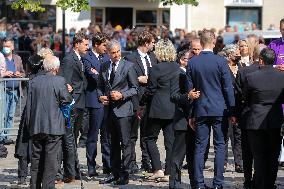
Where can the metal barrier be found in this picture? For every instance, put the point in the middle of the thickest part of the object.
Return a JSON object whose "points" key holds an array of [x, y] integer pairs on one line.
{"points": [[4, 90]]}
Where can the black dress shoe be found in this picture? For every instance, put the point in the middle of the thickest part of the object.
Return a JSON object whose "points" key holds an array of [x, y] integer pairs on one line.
{"points": [[108, 180], [107, 171], [93, 174], [147, 167], [220, 187], [121, 181], [239, 169]]}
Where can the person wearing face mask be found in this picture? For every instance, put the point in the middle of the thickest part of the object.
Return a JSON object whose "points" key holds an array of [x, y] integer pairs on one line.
{"points": [[232, 54], [13, 69]]}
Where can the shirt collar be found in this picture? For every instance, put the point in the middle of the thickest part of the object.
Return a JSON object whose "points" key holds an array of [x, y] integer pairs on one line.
{"points": [[96, 54], [210, 50], [183, 69], [141, 53], [78, 55]]}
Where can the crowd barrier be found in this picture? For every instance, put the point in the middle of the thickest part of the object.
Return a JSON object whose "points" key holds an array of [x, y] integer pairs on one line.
{"points": [[3, 105]]}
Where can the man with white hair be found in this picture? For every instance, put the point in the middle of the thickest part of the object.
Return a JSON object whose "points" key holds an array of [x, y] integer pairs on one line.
{"points": [[47, 93]]}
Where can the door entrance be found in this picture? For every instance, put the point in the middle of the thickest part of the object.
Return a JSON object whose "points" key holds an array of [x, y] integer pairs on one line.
{"points": [[119, 16]]}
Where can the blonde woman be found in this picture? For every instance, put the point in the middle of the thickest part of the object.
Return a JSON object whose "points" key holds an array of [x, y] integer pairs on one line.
{"points": [[245, 52], [161, 109]]}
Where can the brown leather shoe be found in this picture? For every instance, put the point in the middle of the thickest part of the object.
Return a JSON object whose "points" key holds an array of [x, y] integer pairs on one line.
{"points": [[69, 180]]}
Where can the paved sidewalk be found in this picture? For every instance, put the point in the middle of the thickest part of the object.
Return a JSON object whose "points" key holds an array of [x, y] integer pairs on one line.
{"points": [[8, 174]]}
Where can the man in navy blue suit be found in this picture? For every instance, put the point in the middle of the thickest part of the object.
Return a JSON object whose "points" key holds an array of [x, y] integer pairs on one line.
{"points": [[92, 62], [209, 74]]}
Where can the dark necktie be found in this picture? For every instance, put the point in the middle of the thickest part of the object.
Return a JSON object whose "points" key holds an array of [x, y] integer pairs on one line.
{"points": [[100, 57], [147, 64], [112, 74]]}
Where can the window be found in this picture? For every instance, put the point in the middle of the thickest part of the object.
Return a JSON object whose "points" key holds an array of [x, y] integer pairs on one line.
{"points": [[99, 16], [166, 18], [146, 17]]}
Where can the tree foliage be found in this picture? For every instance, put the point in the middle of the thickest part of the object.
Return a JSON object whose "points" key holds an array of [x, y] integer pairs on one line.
{"points": [[79, 5]]}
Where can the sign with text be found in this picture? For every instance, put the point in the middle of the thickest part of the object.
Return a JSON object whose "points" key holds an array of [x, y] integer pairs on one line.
{"points": [[244, 3]]}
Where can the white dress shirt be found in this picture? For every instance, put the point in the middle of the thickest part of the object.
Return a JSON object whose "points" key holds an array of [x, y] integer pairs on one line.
{"points": [[110, 67], [142, 56]]}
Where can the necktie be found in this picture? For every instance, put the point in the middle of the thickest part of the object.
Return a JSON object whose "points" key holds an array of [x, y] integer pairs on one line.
{"points": [[147, 64], [112, 74]]}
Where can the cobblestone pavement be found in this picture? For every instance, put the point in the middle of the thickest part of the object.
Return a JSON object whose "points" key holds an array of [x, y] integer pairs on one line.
{"points": [[8, 174]]}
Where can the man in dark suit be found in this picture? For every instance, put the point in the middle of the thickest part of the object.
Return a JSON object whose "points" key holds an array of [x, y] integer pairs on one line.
{"points": [[143, 60], [264, 92], [92, 62], [116, 87], [209, 74], [184, 135], [72, 69], [47, 92], [242, 110]]}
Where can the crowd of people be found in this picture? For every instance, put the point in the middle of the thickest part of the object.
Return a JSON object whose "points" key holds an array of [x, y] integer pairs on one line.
{"points": [[185, 88]]}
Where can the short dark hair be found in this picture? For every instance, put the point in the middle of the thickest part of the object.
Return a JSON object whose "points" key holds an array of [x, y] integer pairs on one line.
{"points": [[145, 37], [207, 36], [6, 39], [282, 21], [181, 54], [79, 37], [100, 38], [268, 56]]}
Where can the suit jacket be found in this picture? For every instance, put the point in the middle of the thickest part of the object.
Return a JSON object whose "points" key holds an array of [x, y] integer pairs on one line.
{"points": [[241, 107], [72, 70], [124, 81], [183, 106], [210, 74], [162, 76], [91, 61], [264, 93], [139, 71], [46, 94]]}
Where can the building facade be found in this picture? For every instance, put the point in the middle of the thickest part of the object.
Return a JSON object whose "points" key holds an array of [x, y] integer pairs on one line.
{"points": [[239, 14]]}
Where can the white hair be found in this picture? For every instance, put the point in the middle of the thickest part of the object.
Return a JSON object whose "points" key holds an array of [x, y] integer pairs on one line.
{"points": [[112, 43], [51, 63], [229, 49], [43, 52]]}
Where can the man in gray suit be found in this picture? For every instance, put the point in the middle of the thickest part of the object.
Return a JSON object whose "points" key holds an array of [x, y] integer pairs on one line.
{"points": [[117, 85], [47, 92]]}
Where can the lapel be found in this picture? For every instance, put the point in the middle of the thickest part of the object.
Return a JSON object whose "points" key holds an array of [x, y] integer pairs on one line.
{"points": [[94, 60], [77, 61], [118, 73], [139, 62]]}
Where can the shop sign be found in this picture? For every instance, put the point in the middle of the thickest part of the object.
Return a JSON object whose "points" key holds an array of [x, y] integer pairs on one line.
{"points": [[244, 3]]}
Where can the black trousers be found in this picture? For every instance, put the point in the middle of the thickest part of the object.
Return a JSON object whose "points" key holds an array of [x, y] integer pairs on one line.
{"points": [[266, 146], [184, 144], [152, 133], [23, 167], [246, 151], [77, 115], [136, 124], [234, 134], [120, 128], [84, 128], [44, 164]]}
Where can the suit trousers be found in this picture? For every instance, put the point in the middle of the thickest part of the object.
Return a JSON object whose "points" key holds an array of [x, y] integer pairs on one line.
{"points": [[23, 167], [234, 133], [183, 138], [44, 164], [136, 124], [77, 115], [96, 117], [203, 125], [69, 153], [120, 128], [152, 133], [246, 151], [84, 128], [265, 146]]}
